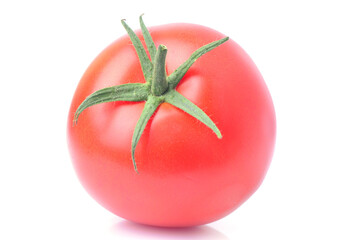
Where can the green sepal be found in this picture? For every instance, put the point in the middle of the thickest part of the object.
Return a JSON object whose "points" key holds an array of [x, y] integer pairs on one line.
{"points": [[175, 98], [148, 39], [133, 92], [151, 105], [146, 64], [178, 74]]}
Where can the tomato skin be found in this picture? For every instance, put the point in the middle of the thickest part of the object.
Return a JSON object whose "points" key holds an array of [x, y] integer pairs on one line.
{"points": [[187, 176]]}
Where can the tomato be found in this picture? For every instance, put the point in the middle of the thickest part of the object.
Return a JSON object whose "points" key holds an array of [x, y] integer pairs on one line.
{"points": [[186, 175]]}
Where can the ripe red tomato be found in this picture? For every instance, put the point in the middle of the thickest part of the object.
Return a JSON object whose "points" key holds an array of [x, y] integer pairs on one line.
{"points": [[186, 175]]}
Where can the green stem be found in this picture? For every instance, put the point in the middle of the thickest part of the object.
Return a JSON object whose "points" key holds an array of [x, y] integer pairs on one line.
{"points": [[159, 82]]}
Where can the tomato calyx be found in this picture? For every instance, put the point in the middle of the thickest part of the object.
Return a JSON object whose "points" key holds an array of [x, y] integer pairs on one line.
{"points": [[158, 88]]}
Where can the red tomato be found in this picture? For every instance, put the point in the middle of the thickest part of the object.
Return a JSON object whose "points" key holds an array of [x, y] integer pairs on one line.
{"points": [[187, 176]]}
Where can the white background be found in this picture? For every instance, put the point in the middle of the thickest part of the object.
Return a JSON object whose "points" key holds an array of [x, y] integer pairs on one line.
{"points": [[299, 46]]}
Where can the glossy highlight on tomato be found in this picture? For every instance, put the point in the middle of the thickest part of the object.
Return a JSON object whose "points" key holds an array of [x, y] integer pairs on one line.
{"points": [[186, 175]]}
